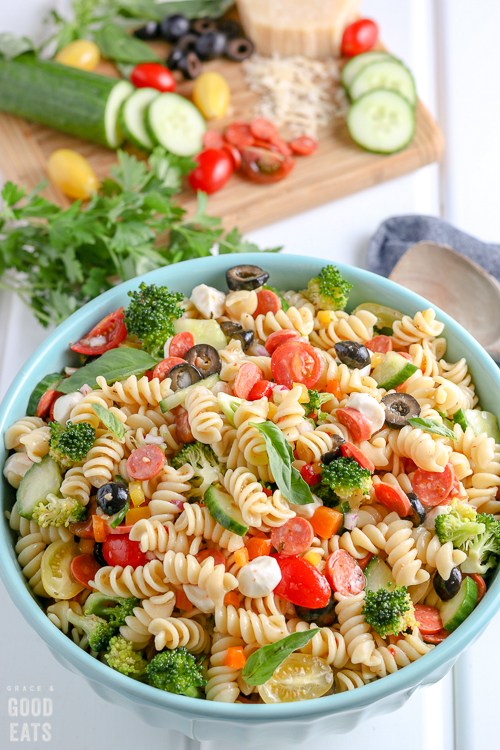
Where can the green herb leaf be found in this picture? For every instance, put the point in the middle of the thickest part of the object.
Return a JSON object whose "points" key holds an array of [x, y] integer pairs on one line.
{"points": [[345, 507], [110, 421], [117, 364], [262, 664], [430, 425], [150, 10], [12, 46], [288, 479], [460, 418], [115, 44], [121, 515], [284, 303]]}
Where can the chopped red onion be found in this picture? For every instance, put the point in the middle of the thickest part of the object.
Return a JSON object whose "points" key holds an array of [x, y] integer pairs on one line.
{"points": [[85, 389], [350, 520], [154, 439], [257, 350]]}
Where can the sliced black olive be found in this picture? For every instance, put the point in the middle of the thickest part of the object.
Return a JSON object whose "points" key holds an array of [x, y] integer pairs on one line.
{"points": [[203, 26], [245, 277], [336, 452], [352, 354], [210, 45], [399, 407], [148, 32], [228, 328], [229, 28], [173, 27], [187, 43], [205, 357], [184, 45], [239, 48], [446, 589], [322, 617], [183, 376], [98, 556], [246, 338], [190, 66], [112, 497], [419, 515]]}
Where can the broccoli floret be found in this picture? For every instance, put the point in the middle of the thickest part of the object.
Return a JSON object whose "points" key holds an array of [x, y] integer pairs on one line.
{"points": [[328, 290], [458, 525], [58, 511], [122, 657], [70, 444], [342, 479], [389, 611], [98, 631], [483, 550], [176, 671], [151, 314], [205, 464], [313, 407], [114, 608]]}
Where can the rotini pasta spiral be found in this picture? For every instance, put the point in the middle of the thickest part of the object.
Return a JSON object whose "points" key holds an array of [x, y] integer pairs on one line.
{"points": [[248, 494], [84, 411], [136, 628], [177, 632], [329, 644], [75, 484], [343, 327], [197, 521], [16, 467], [431, 552], [36, 443], [348, 679], [358, 638], [428, 454], [253, 628], [154, 536], [204, 415], [408, 649], [222, 684], [251, 443], [241, 303], [402, 554], [102, 459], [312, 445], [293, 319], [290, 414], [133, 391], [144, 581], [185, 569], [21, 428], [168, 499], [414, 330]]}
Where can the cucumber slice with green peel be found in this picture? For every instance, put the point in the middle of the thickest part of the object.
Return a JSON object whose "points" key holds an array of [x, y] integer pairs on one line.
{"points": [[379, 575], [133, 117], [228, 405], [386, 316], [357, 63], [392, 371], [174, 123], [38, 482], [178, 398], [456, 610], [223, 509], [391, 75], [381, 121], [483, 421], [204, 331], [119, 94], [45, 384]]}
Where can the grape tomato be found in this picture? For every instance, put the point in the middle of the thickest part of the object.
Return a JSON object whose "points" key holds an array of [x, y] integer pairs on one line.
{"points": [[55, 569], [300, 677], [153, 75], [213, 170], [120, 550], [301, 583], [106, 335], [359, 37], [352, 451], [296, 362]]}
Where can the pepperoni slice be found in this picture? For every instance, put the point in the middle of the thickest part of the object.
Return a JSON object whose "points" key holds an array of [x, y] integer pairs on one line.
{"points": [[219, 558], [280, 337], [358, 425], [182, 426], [163, 368], [213, 139], [261, 389], [481, 585], [84, 568], [233, 153], [352, 451], [393, 498], [296, 362], [267, 301], [238, 134], [365, 560], [46, 403], [436, 637], [181, 344], [344, 574], [145, 462], [428, 618], [433, 487], [294, 537], [303, 145], [381, 344], [263, 129], [247, 376]]}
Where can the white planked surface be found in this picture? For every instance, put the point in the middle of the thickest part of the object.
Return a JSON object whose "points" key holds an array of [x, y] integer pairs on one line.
{"points": [[430, 35]]}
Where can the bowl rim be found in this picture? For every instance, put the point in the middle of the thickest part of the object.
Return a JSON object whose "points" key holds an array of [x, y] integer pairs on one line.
{"points": [[406, 679]]}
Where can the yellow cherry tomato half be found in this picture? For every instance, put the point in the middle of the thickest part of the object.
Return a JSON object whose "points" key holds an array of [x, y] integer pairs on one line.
{"points": [[80, 54], [300, 677], [71, 173], [56, 570], [211, 95]]}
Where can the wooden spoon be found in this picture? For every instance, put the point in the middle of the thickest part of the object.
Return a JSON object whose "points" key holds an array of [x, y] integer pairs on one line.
{"points": [[458, 285]]}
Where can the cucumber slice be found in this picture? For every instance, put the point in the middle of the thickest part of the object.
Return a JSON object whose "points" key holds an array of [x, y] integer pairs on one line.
{"points": [[386, 316], [46, 383], [456, 610], [176, 124], [38, 482], [381, 121], [133, 117], [384, 74], [111, 114], [224, 510], [483, 421], [204, 331], [378, 575], [393, 370], [229, 404], [178, 398], [357, 63]]}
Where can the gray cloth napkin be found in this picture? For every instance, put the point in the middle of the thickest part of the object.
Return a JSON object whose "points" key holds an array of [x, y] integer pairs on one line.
{"points": [[393, 238]]}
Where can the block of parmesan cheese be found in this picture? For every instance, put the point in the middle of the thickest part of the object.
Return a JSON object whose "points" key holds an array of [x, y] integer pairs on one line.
{"points": [[312, 28]]}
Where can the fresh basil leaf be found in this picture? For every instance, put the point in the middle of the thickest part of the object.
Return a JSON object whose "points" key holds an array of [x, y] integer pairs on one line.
{"points": [[46, 383], [284, 303], [150, 10], [262, 664], [430, 425], [12, 46], [110, 421], [120, 480], [460, 418], [345, 507], [115, 44], [121, 515], [117, 364]]}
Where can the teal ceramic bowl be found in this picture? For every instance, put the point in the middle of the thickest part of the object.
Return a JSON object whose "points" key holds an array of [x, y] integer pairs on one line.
{"points": [[244, 724]]}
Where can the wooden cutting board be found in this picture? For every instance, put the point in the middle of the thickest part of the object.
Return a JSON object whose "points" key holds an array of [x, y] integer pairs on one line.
{"points": [[338, 167]]}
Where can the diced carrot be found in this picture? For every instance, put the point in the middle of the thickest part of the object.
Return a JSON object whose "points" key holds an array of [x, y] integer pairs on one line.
{"points": [[235, 657], [86, 546], [231, 599], [181, 601], [241, 557], [136, 514], [333, 386], [258, 547], [326, 521], [100, 528]]}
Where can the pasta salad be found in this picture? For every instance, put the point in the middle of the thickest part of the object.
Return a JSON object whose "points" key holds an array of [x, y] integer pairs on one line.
{"points": [[256, 496]]}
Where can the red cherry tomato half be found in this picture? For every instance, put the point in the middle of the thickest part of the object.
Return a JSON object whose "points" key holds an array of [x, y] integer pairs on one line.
{"points": [[433, 487], [163, 368], [84, 568], [279, 145], [267, 301], [145, 462], [344, 574], [120, 550], [359, 37], [214, 169], [154, 76], [358, 425], [382, 344], [233, 153], [104, 336], [308, 474], [481, 585], [261, 389], [428, 619], [280, 337], [182, 426], [262, 165], [294, 537], [181, 344], [238, 134], [46, 404], [393, 498], [84, 529], [365, 560], [436, 637], [219, 558], [303, 145], [263, 129], [248, 375], [296, 362], [213, 139], [301, 583], [352, 451], [406, 356]]}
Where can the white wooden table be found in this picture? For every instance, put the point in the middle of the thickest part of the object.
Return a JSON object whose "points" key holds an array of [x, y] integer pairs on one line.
{"points": [[454, 54]]}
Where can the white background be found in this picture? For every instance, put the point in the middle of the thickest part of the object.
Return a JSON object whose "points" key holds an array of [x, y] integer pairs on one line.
{"points": [[452, 48]]}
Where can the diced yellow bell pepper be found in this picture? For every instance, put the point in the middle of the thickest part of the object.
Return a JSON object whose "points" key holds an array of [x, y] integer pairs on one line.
{"points": [[136, 493], [304, 397], [377, 359], [325, 317], [136, 514], [272, 410], [313, 557]]}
